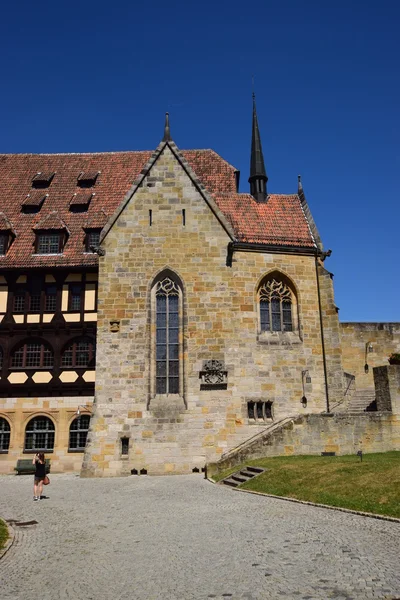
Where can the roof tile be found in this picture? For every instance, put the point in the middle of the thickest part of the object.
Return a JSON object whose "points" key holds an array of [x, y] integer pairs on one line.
{"points": [[279, 221]]}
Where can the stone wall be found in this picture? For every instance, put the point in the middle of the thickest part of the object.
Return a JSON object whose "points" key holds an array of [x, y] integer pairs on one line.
{"points": [[220, 321], [387, 388], [384, 338], [62, 411], [314, 434]]}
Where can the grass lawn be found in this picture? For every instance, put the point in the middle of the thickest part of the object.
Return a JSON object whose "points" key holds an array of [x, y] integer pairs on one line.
{"points": [[372, 485], [3, 534]]}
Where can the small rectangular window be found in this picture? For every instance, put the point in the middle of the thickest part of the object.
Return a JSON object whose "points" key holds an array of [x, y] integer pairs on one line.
{"points": [[48, 243], [75, 297], [124, 446], [34, 303], [92, 239], [50, 303], [19, 301]]}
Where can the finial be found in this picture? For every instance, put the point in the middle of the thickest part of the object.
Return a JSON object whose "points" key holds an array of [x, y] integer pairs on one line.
{"points": [[167, 132], [299, 184]]}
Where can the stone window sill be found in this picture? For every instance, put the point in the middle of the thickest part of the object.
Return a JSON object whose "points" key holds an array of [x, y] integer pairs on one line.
{"points": [[279, 338]]}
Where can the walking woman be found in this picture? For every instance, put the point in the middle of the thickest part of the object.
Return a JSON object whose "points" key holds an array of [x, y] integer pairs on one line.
{"points": [[40, 474]]}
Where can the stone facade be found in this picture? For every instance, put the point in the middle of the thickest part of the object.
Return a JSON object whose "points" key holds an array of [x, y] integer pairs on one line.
{"points": [[356, 341], [61, 411], [219, 321]]}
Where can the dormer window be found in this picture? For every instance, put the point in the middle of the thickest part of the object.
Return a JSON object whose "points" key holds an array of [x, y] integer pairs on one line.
{"points": [[43, 179], [7, 234], [33, 201], [51, 234], [49, 242], [92, 239], [87, 178], [4, 242], [80, 201]]}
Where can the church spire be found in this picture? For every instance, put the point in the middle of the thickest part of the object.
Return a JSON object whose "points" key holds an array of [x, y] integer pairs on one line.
{"points": [[167, 131], [258, 176]]}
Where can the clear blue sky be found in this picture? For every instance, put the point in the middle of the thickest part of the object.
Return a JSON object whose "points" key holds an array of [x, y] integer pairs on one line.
{"points": [[96, 76]]}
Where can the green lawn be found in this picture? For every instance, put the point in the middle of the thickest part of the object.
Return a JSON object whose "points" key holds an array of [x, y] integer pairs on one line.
{"points": [[3, 534], [372, 485]]}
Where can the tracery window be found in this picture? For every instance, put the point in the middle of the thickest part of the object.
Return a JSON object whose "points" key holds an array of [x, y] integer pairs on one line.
{"points": [[79, 353], [78, 433], [32, 355], [39, 435], [167, 337], [5, 432], [275, 299]]}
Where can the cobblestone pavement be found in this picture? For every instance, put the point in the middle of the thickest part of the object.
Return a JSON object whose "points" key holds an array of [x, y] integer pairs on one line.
{"points": [[182, 538]]}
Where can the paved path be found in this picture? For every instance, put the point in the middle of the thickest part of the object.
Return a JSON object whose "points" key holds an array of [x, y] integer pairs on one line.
{"points": [[182, 538]]}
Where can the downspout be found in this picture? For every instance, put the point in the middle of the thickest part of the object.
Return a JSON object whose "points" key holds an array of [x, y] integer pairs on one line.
{"points": [[322, 338]]}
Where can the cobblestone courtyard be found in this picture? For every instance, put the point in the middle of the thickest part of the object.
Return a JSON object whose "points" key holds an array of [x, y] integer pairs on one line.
{"points": [[182, 538]]}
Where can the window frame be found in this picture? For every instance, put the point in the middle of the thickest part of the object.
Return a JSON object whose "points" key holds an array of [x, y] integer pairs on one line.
{"points": [[43, 347], [88, 243], [79, 431], [48, 233], [4, 235], [71, 295], [276, 288], [73, 343], [48, 434], [179, 292], [4, 434]]}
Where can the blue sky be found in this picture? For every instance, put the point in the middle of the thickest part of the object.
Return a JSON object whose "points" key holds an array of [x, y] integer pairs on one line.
{"points": [[96, 76]]}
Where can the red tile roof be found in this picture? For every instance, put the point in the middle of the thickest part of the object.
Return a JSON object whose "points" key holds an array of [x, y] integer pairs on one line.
{"points": [[280, 221]]}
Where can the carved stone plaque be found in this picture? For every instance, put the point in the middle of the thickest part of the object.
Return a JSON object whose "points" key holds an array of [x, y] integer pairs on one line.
{"points": [[213, 376]]}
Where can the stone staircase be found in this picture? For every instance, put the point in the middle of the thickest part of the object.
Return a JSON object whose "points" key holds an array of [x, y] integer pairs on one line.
{"points": [[242, 476], [360, 401]]}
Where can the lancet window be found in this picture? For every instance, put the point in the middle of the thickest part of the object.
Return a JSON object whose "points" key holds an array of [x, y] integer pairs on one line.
{"points": [[167, 336]]}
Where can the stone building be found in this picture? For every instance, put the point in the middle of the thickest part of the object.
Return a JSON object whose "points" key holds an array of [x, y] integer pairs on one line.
{"points": [[209, 313]]}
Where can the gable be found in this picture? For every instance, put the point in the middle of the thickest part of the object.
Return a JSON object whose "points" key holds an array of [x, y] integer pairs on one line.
{"points": [[153, 176]]}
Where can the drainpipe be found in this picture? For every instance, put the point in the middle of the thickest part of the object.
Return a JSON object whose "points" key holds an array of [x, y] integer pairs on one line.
{"points": [[322, 338]]}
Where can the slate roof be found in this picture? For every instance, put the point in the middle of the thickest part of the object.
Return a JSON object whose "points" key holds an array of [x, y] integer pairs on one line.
{"points": [[281, 221]]}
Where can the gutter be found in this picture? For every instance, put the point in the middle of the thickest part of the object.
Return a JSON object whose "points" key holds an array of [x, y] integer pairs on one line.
{"points": [[322, 334]]}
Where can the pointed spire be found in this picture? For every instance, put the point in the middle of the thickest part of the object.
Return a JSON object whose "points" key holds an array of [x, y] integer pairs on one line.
{"points": [[258, 176], [167, 131]]}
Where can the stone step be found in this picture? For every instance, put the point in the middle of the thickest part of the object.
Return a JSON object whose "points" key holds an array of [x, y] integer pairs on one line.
{"points": [[239, 478], [236, 479], [255, 469], [247, 474], [230, 482], [360, 401]]}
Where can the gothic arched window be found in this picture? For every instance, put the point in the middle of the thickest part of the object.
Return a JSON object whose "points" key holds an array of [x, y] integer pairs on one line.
{"points": [[276, 300], [167, 342], [39, 434]]}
